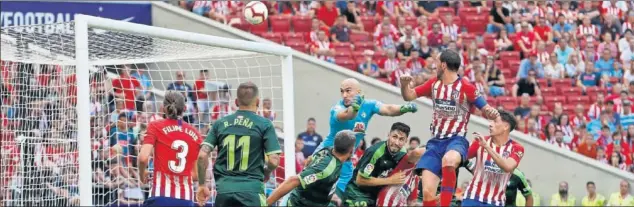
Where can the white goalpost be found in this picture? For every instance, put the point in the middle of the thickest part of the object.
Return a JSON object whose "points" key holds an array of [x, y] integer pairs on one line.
{"points": [[73, 118]]}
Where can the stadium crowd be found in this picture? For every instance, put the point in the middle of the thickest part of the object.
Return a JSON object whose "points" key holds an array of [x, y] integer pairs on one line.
{"points": [[564, 68]]}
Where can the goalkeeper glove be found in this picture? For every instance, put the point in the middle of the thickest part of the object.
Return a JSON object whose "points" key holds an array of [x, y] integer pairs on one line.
{"points": [[357, 102], [409, 107]]}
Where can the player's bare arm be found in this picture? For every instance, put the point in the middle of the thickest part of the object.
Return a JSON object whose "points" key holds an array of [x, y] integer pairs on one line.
{"points": [[273, 160], [408, 93], [506, 164], [346, 114], [397, 110], [144, 160], [415, 155], [202, 163], [396, 179], [490, 112], [288, 185]]}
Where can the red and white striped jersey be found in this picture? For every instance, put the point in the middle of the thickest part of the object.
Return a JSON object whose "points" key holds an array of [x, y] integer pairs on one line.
{"points": [[595, 110], [399, 195], [322, 45], [584, 30], [612, 11], [579, 120], [452, 104], [395, 76], [567, 130], [489, 181], [176, 146], [560, 144], [389, 64], [570, 15], [543, 57], [453, 30], [387, 41]]}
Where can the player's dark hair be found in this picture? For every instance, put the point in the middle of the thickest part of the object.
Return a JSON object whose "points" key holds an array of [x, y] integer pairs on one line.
{"points": [[247, 92], [344, 141], [590, 183], [452, 59], [174, 104], [509, 119], [375, 140], [398, 126]]}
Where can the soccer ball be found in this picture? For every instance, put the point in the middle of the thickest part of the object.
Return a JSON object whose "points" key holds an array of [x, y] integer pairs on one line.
{"points": [[255, 12]]}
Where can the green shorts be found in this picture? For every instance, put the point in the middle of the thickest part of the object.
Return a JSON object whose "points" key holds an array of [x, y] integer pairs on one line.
{"points": [[353, 198], [240, 199]]}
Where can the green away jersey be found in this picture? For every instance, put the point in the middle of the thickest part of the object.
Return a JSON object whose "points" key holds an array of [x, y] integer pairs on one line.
{"points": [[376, 162], [243, 139], [517, 183], [317, 180]]}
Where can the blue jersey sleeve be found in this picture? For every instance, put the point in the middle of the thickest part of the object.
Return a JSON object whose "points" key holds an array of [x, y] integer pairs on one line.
{"points": [[374, 104], [333, 113]]}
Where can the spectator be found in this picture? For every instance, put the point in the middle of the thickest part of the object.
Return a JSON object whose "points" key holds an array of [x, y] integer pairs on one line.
{"points": [[424, 50], [119, 109], [417, 64], [587, 29], [368, 67], [223, 106], [322, 48], [340, 32], [126, 88], [623, 197], [525, 40], [315, 28], [623, 147], [580, 118], [386, 40], [389, 64], [531, 128], [617, 161], [543, 56], [386, 24], [450, 28], [588, 146], [561, 27], [400, 26], [404, 50], [543, 31], [422, 28], [530, 64], [527, 85], [524, 109], [563, 124], [549, 132], [480, 82], [408, 34], [624, 43], [429, 9], [500, 18], [387, 8], [589, 54], [267, 109], [414, 142], [608, 45], [562, 198], [143, 78], [475, 66], [495, 78], [614, 117], [188, 92], [407, 8], [601, 157], [593, 198], [611, 26], [327, 14], [601, 126], [554, 70], [299, 155], [589, 78], [629, 23], [563, 51], [627, 55], [559, 140], [402, 70], [627, 117], [121, 135], [502, 41], [574, 67], [590, 11], [310, 137], [434, 38], [352, 14]]}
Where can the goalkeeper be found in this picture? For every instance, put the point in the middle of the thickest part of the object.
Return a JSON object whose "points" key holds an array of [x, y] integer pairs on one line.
{"points": [[353, 112]]}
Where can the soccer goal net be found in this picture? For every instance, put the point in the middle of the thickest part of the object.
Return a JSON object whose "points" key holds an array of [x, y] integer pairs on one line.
{"points": [[77, 97]]}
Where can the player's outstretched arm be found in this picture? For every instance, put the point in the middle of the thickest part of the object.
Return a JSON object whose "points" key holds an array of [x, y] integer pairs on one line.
{"points": [[396, 179], [415, 155], [144, 160], [397, 110], [345, 114], [288, 185], [409, 93]]}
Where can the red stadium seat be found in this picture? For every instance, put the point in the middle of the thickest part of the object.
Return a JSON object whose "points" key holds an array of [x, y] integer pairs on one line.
{"points": [[562, 83], [492, 101], [593, 91], [297, 45], [280, 23], [509, 55], [509, 82], [361, 46], [442, 11], [547, 91], [342, 54], [467, 38], [569, 91], [574, 99], [509, 106], [260, 28], [476, 24], [542, 83], [514, 66], [342, 46], [551, 100], [412, 21], [489, 43], [506, 99], [360, 37], [275, 37], [293, 36], [301, 24], [346, 63], [368, 22], [569, 108]]}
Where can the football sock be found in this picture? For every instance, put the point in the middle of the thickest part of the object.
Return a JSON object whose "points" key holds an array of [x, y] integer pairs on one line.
{"points": [[447, 185]]}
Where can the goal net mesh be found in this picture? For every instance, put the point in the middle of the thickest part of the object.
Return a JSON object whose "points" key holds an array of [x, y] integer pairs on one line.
{"points": [[130, 73]]}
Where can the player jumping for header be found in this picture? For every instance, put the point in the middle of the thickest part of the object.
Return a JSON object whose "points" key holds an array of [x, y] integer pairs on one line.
{"points": [[379, 161], [353, 112], [244, 139], [175, 146], [453, 97], [497, 156], [313, 186]]}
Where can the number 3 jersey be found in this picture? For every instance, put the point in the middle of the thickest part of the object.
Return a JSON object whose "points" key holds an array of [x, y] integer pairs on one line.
{"points": [[243, 140], [176, 147]]}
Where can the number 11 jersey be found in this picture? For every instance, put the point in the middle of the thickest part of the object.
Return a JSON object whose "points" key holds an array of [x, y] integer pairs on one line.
{"points": [[243, 140], [176, 146]]}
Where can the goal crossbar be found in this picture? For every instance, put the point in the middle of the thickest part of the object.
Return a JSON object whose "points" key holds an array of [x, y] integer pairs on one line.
{"points": [[83, 64]]}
